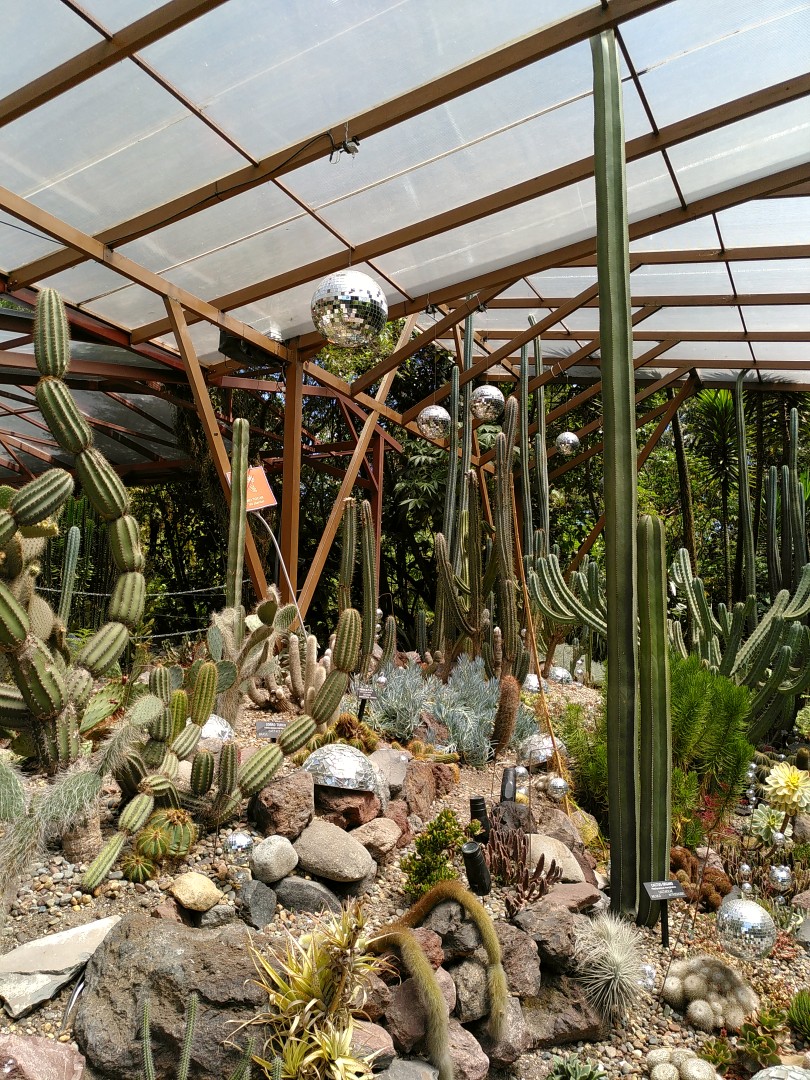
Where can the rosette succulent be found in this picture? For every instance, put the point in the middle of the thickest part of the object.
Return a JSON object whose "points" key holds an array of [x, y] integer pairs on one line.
{"points": [[788, 788], [765, 821]]}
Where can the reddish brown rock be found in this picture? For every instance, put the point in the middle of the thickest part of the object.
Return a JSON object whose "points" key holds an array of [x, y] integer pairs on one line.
{"points": [[378, 997], [405, 1015], [398, 811], [561, 1014], [553, 930], [286, 806], [346, 809], [444, 777], [41, 1059], [372, 1041], [419, 788], [469, 1060], [519, 958], [514, 1041], [169, 909], [578, 896]]}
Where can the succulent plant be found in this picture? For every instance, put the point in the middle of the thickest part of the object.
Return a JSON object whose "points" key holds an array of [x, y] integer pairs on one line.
{"points": [[571, 1068], [788, 788], [798, 1015], [765, 821]]}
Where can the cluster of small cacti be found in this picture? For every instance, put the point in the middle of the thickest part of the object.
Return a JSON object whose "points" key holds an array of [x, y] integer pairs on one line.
{"points": [[346, 729], [666, 1064], [706, 885], [710, 993]]}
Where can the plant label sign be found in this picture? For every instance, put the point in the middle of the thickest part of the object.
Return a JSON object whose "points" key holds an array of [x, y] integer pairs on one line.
{"points": [[364, 691], [664, 890], [270, 729], [259, 492]]}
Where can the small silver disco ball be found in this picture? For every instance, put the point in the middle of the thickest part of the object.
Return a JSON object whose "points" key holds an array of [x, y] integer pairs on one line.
{"points": [[778, 839], [349, 309], [486, 403], [782, 1072], [745, 929], [559, 675], [648, 977], [434, 422], [557, 787], [521, 772], [780, 878], [746, 888], [238, 845], [567, 443], [744, 872]]}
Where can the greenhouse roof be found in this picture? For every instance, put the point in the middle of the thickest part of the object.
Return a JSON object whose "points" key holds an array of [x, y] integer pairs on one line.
{"points": [[183, 168]]}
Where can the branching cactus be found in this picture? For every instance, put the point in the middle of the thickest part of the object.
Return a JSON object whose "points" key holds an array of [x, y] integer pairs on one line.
{"points": [[51, 690]]}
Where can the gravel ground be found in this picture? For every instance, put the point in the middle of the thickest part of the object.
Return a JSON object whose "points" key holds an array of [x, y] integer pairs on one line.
{"points": [[51, 901]]}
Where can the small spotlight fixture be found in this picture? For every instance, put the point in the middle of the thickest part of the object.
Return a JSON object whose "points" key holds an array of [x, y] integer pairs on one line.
{"points": [[351, 146], [432, 309]]}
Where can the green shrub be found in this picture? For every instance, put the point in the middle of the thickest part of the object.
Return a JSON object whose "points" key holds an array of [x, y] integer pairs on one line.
{"points": [[433, 858]]}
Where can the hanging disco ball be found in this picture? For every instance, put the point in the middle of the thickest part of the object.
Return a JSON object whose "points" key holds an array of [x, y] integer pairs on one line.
{"points": [[349, 309], [567, 443], [745, 929], [486, 403], [434, 422]]}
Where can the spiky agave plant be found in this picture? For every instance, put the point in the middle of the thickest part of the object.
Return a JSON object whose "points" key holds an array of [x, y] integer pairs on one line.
{"points": [[609, 958]]}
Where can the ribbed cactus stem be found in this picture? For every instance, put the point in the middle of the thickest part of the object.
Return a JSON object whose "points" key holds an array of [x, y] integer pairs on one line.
{"points": [[237, 524], [619, 469], [348, 554], [746, 521], [69, 564], [525, 469], [451, 488], [368, 556], [655, 727], [294, 667], [540, 459], [462, 514]]}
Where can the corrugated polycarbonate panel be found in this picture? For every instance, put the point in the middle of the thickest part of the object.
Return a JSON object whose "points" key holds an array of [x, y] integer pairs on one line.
{"points": [[744, 151], [784, 317], [276, 71], [766, 222], [508, 157], [110, 147], [692, 235], [695, 55], [566, 281], [216, 227], [85, 282], [772, 276], [781, 350], [516, 319], [129, 306], [116, 14], [550, 222], [19, 243], [103, 407], [582, 319], [37, 37], [802, 376], [672, 319], [708, 350], [676, 279]]}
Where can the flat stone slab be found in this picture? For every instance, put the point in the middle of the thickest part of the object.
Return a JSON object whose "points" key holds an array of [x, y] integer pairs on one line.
{"points": [[35, 972], [41, 1059]]}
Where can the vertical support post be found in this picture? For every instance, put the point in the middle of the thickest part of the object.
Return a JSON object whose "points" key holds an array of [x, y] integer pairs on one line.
{"points": [[205, 411], [378, 466], [291, 471]]}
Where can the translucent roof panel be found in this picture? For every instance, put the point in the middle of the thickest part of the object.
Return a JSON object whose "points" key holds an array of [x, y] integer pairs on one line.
{"points": [[116, 14], [20, 243], [679, 279], [766, 222], [672, 319], [566, 281], [747, 150], [516, 319], [781, 350], [774, 276], [91, 158], [286, 78], [56, 31], [129, 306], [85, 282], [785, 317], [694, 56], [561, 217], [708, 350], [692, 235]]}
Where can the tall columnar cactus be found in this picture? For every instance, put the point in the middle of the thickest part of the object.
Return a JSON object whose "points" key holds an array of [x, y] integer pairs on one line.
{"points": [[237, 525], [525, 465], [655, 727], [368, 561], [746, 521], [462, 467], [787, 545], [465, 601], [618, 410], [348, 554], [540, 459], [69, 564]]}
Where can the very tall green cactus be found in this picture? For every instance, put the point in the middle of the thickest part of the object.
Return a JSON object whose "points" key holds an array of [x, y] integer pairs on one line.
{"points": [[746, 522], [618, 410]]}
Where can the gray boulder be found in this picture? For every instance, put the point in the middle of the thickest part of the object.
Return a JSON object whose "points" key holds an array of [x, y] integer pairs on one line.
{"points": [[165, 962], [258, 904], [299, 894], [273, 859], [328, 852]]}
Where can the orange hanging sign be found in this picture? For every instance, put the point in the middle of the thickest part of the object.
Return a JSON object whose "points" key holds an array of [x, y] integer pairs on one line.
{"points": [[259, 492]]}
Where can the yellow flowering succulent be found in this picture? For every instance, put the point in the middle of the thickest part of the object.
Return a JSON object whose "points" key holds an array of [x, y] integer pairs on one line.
{"points": [[788, 789]]}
